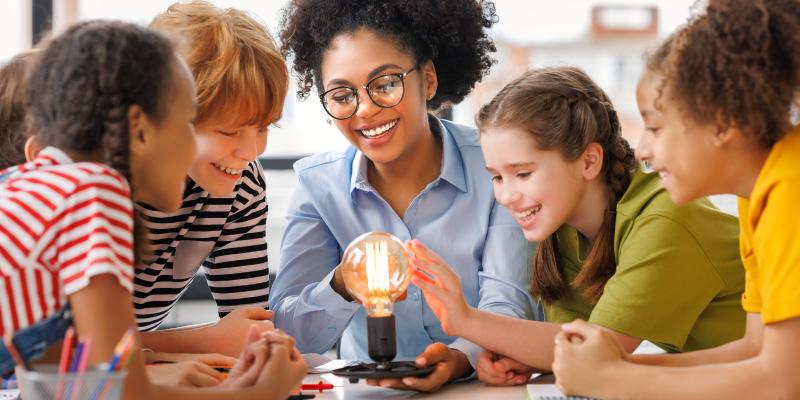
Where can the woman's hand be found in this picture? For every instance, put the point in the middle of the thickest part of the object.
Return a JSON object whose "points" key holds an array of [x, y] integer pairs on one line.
{"points": [[496, 370], [450, 364], [441, 287], [586, 357]]}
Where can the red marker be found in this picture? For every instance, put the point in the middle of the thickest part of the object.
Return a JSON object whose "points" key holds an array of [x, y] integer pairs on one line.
{"points": [[317, 386]]}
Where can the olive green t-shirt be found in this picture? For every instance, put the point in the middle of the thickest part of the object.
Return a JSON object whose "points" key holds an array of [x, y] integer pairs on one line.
{"points": [[679, 278]]}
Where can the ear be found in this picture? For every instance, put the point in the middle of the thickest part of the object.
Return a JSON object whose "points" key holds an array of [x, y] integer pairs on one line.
{"points": [[32, 148], [138, 127], [430, 80], [592, 161], [726, 136]]}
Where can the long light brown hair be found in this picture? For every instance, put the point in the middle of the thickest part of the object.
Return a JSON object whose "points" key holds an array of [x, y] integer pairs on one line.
{"points": [[564, 110]]}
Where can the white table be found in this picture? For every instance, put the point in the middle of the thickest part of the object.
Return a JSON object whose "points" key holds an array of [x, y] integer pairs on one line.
{"points": [[462, 391]]}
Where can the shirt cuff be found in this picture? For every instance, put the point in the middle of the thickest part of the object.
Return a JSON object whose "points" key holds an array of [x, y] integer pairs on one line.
{"points": [[470, 350], [333, 303]]}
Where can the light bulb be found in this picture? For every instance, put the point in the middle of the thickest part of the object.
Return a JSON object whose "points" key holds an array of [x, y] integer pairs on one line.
{"points": [[375, 271]]}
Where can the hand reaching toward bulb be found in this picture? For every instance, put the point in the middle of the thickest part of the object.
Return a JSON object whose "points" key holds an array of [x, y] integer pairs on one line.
{"points": [[441, 287]]}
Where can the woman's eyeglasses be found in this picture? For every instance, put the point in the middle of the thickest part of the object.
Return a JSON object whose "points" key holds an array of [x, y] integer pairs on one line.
{"points": [[386, 91]]}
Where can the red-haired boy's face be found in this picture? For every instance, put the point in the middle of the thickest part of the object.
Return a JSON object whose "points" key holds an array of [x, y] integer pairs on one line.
{"points": [[223, 152]]}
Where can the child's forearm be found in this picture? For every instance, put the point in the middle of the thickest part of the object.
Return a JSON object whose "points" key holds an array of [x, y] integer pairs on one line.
{"points": [[187, 339], [729, 352], [529, 342], [737, 350], [742, 379]]}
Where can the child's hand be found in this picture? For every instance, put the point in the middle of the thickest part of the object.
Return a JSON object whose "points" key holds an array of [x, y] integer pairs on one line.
{"points": [[247, 369], [497, 370], [229, 332], [441, 287], [210, 359], [586, 356], [285, 367], [450, 364], [185, 373]]}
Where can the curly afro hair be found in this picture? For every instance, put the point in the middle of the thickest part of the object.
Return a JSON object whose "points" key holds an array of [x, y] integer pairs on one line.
{"points": [[450, 33], [738, 64]]}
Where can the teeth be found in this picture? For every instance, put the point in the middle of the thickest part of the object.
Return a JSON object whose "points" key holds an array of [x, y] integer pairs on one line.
{"points": [[229, 171], [379, 130], [528, 212]]}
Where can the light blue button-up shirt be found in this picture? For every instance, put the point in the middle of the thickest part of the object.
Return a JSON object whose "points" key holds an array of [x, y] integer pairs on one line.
{"points": [[455, 215]]}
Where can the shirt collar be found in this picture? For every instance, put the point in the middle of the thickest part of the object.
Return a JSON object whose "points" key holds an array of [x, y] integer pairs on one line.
{"points": [[452, 164], [52, 156]]}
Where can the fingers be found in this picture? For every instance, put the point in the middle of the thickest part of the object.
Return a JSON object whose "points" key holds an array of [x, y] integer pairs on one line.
{"points": [[426, 262], [217, 360], [579, 327], [278, 337], [432, 382], [487, 372], [253, 334], [250, 364], [428, 287]]}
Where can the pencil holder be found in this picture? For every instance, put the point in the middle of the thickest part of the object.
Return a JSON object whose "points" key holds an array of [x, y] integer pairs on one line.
{"points": [[44, 382]]}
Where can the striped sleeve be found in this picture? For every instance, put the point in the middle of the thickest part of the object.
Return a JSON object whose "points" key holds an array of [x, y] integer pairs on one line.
{"points": [[95, 233], [237, 269]]}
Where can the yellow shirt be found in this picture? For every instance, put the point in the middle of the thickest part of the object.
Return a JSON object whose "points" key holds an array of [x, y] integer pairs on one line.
{"points": [[770, 235]]}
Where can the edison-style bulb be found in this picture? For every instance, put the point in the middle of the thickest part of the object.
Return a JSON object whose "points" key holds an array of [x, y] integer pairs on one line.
{"points": [[375, 271]]}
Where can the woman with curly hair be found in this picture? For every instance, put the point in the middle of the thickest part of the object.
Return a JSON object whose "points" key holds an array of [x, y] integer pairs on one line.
{"points": [[115, 129], [380, 69], [719, 108]]}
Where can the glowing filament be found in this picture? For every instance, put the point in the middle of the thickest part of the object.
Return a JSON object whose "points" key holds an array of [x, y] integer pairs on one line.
{"points": [[377, 268]]}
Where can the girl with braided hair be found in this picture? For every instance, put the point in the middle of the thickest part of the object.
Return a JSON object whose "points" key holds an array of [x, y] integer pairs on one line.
{"points": [[612, 247], [114, 107], [719, 103]]}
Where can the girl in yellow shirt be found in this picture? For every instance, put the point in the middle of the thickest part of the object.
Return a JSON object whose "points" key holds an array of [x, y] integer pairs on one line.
{"points": [[717, 104]]}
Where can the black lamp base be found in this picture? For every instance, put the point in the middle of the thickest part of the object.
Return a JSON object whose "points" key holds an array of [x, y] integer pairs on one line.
{"points": [[395, 369]]}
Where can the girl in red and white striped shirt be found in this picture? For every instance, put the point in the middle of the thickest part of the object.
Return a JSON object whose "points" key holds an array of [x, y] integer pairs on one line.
{"points": [[114, 108]]}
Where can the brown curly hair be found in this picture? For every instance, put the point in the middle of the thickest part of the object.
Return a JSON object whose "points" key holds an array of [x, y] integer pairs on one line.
{"points": [[14, 122], [738, 64], [565, 110], [450, 33], [87, 78]]}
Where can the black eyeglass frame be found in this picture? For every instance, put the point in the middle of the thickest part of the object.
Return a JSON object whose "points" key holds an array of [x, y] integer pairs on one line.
{"points": [[401, 75]]}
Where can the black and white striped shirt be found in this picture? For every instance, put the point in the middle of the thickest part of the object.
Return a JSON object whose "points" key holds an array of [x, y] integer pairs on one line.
{"points": [[226, 235]]}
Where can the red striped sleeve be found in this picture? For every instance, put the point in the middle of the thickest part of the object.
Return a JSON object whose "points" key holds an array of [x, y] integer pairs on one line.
{"points": [[80, 219]]}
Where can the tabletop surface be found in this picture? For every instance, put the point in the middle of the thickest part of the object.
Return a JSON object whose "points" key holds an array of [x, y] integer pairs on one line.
{"points": [[462, 391]]}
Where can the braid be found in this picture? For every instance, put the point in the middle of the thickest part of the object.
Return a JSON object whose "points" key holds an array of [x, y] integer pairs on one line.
{"points": [[618, 165], [85, 82], [116, 154]]}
